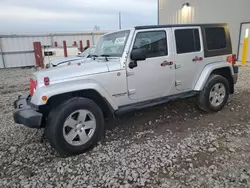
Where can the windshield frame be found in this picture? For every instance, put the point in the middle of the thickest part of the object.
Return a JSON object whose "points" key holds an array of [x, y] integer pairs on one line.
{"points": [[126, 32]]}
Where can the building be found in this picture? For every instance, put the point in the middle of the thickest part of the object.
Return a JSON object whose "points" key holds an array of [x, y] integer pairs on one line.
{"points": [[234, 12]]}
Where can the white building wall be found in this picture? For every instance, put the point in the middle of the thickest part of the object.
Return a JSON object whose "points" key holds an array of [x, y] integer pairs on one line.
{"points": [[19, 60], [1, 56], [233, 12], [22, 43]]}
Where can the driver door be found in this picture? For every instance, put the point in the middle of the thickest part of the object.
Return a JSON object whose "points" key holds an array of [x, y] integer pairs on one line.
{"points": [[153, 77]]}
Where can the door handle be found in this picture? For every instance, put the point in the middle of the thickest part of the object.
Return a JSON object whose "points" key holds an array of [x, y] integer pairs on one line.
{"points": [[166, 63], [198, 58]]}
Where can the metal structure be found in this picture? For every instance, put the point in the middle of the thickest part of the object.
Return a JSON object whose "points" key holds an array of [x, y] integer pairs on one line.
{"points": [[18, 50], [243, 27], [203, 11]]}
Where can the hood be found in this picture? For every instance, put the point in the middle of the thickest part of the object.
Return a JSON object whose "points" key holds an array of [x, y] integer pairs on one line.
{"points": [[65, 60], [74, 71]]}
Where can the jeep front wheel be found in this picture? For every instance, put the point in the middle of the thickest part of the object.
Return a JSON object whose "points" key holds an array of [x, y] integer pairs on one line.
{"points": [[75, 126], [215, 94]]}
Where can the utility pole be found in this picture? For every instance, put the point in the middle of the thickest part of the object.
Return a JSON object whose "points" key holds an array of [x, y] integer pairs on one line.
{"points": [[120, 22], [158, 12]]}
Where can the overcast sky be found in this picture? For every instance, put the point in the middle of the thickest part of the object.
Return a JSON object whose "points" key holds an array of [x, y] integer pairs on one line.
{"points": [[27, 16]]}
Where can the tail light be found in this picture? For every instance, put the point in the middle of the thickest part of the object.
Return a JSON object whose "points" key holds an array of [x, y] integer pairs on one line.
{"points": [[232, 59], [33, 84]]}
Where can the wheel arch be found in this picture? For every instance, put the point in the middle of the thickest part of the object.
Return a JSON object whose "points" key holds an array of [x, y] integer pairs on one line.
{"points": [[222, 68], [56, 100], [225, 72], [92, 94]]}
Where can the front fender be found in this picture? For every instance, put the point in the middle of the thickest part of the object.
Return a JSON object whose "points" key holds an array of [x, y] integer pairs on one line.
{"points": [[70, 86], [206, 72]]}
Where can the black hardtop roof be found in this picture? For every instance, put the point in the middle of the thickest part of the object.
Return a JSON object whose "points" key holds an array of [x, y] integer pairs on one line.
{"points": [[180, 25]]}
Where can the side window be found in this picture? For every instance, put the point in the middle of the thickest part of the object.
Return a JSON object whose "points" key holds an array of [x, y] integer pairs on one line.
{"points": [[153, 42], [216, 38], [187, 40]]}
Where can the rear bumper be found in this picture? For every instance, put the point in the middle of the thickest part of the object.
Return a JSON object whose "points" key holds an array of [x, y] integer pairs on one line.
{"points": [[25, 114], [235, 76]]}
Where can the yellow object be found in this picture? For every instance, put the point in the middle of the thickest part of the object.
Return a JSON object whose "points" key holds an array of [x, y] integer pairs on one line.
{"points": [[245, 48], [44, 98]]}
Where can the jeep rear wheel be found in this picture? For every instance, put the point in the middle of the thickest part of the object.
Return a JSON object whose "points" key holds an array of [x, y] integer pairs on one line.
{"points": [[75, 126], [215, 94]]}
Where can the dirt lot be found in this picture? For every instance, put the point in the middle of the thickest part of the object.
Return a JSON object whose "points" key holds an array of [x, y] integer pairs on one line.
{"points": [[172, 145]]}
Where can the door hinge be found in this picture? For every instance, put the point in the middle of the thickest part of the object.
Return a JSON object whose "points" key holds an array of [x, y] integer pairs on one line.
{"points": [[130, 73], [131, 92], [177, 83], [177, 66]]}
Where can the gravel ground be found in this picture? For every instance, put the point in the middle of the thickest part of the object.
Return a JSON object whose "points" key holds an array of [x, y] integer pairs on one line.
{"points": [[173, 145]]}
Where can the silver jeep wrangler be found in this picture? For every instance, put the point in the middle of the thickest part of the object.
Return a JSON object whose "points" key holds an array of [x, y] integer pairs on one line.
{"points": [[130, 70]]}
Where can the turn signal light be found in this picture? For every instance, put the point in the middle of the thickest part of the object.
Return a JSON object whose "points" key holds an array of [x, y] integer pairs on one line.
{"points": [[44, 98], [234, 59], [33, 84], [229, 59]]}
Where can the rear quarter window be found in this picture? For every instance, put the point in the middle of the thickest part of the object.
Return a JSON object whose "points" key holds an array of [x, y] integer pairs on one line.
{"points": [[216, 38]]}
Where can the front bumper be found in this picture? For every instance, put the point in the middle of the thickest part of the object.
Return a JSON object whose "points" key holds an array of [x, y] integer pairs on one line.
{"points": [[25, 114]]}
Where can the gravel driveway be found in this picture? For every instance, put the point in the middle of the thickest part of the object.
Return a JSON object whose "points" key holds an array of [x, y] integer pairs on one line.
{"points": [[172, 145]]}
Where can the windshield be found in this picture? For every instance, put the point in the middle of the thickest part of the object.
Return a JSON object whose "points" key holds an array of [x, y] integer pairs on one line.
{"points": [[112, 45], [87, 52]]}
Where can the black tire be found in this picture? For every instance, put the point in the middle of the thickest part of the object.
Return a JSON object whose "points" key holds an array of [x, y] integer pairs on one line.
{"points": [[55, 125], [203, 100]]}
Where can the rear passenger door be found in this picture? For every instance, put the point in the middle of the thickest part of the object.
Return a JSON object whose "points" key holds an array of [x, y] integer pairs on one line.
{"points": [[189, 56]]}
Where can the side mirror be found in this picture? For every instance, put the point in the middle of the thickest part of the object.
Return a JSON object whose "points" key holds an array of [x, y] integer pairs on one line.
{"points": [[138, 54]]}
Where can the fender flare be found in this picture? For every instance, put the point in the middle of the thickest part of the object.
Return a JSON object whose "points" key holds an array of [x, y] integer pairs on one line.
{"points": [[67, 87], [206, 72]]}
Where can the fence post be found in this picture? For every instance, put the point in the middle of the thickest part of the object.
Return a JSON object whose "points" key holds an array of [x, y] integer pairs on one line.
{"points": [[81, 46], [38, 54], [75, 44], [1, 50], [88, 43], [245, 48], [65, 48]]}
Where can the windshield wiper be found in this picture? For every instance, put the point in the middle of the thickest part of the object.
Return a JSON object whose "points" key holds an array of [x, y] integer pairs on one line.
{"points": [[94, 56], [106, 56]]}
